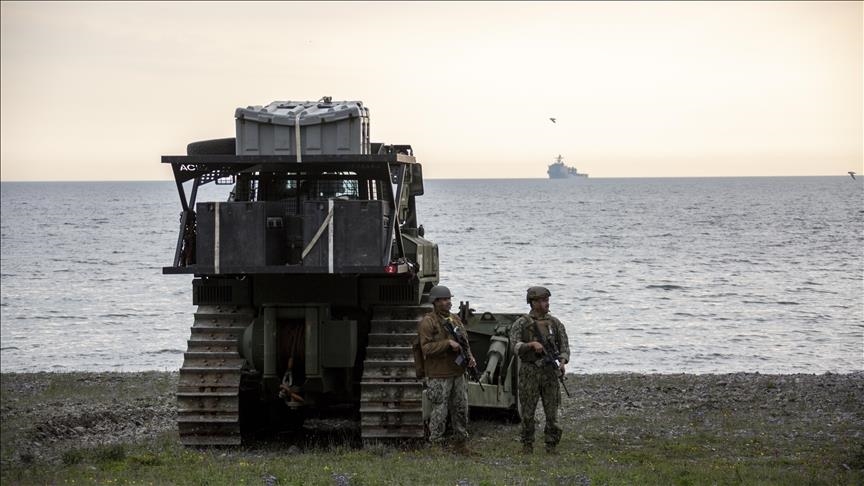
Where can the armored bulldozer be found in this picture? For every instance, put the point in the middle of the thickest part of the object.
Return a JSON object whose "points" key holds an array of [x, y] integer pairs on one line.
{"points": [[309, 280]]}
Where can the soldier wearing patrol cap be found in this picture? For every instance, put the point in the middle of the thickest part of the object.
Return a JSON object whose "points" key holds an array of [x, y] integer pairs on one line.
{"points": [[537, 379], [447, 387]]}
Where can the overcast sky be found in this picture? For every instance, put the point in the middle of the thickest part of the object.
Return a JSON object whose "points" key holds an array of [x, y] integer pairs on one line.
{"points": [[98, 91]]}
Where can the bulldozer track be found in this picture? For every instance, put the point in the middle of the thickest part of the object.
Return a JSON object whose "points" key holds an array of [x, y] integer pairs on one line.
{"points": [[391, 396], [208, 391]]}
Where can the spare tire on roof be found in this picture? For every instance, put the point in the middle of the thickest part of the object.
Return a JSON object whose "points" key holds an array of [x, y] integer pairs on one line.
{"points": [[217, 146]]}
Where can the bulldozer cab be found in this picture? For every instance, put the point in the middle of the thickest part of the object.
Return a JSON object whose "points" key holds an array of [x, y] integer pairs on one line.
{"points": [[327, 214]]}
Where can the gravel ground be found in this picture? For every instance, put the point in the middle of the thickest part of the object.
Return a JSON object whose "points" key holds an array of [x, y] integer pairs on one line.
{"points": [[44, 414]]}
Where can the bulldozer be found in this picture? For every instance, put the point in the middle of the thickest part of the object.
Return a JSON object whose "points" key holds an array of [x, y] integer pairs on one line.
{"points": [[309, 280]]}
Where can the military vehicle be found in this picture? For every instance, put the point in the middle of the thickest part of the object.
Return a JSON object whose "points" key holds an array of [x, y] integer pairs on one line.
{"points": [[309, 280]]}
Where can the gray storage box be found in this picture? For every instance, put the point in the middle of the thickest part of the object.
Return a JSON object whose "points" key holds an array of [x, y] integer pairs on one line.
{"points": [[326, 127]]}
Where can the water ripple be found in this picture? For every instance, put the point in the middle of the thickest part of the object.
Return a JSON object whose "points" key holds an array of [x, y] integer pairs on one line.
{"points": [[668, 275]]}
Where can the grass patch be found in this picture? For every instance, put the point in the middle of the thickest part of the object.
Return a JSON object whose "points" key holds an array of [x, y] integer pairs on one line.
{"points": [[686, 461], [669, 435]]}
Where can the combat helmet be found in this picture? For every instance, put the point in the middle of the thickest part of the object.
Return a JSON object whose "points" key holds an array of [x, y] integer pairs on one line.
{"points": [[537, 293], [439, 292]]}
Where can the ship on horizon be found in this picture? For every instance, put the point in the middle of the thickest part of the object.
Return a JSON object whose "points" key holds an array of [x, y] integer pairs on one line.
{"points": [[557, 170]]}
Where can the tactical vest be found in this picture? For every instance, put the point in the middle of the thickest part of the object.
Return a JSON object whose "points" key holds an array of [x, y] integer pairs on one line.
{"points": [[531, 330]]}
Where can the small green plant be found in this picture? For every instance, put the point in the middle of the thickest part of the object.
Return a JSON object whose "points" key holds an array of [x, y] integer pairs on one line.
{"points": [[109, 453], [72, 456], [146, 459]]}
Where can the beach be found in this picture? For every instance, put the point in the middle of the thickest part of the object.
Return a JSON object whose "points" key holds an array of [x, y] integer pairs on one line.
{"points": [[803, 425]]}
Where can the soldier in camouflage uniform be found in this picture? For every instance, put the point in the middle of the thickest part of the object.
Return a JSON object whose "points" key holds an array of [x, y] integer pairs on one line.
{"points": [[447, 387], [539, 380]]}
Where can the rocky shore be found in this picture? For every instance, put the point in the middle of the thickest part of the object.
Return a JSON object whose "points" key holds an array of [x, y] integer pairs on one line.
{"points": [[44, 415]]}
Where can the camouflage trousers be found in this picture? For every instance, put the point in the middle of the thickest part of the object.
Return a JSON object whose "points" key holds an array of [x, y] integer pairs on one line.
{"points": [[536, 383], [449, 397]]}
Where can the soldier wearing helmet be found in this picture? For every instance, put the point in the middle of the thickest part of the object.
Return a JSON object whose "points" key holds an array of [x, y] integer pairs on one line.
{"points": [[535, 293], [447, 387], [537, 379]]}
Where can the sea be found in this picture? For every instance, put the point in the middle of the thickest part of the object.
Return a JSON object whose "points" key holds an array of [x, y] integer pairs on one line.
{"points": [[649, 275]]}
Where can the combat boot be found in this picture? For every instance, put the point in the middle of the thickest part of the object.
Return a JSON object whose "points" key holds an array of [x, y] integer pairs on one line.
{"points": [[551, 449], [527, 449]]}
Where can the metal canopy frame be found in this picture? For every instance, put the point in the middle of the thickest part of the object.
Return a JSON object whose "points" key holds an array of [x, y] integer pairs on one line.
{"points": [[203, 169]]}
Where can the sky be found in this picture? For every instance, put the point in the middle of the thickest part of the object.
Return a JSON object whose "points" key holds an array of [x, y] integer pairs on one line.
{"points": [[99, 91]]}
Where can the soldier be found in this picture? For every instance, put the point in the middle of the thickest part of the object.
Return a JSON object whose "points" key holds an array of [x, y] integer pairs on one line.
{"points": [[444, 362], [537, 378]]}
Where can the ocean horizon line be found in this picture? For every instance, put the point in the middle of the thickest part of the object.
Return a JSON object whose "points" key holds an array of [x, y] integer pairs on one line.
{"points": [[16, 181]]}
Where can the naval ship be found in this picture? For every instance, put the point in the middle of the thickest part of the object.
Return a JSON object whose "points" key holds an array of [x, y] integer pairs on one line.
{"points": [[560, 171]]}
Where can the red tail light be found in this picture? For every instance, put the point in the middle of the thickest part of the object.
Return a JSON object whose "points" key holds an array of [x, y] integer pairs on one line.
{"points": [[398, 267]]}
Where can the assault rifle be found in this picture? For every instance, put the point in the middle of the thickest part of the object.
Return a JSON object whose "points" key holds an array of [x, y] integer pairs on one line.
{"points": [[551, 356], [464, 358]]}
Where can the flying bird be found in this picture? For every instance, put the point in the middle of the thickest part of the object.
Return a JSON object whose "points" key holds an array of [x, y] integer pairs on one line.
{"points": [[553, 120], [852, 174]]}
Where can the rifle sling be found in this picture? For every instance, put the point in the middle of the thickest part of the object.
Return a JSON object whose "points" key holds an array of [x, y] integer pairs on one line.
{"points": [[541, 337], [451, 329]]}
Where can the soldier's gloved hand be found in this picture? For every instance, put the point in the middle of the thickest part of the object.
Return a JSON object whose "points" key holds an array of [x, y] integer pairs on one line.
{"points": [[562, 368], [454, 345], [472, 363], [536, 346]]}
